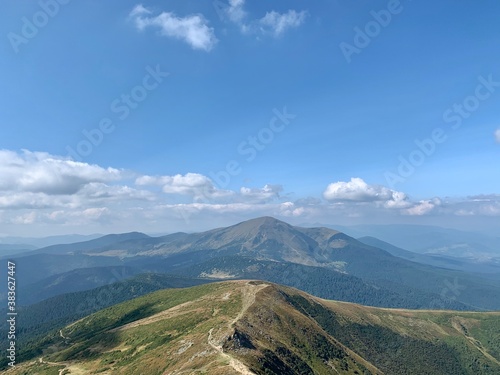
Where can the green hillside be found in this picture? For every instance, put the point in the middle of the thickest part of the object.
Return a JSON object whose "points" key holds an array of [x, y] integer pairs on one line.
{"points": [[254, 327]]}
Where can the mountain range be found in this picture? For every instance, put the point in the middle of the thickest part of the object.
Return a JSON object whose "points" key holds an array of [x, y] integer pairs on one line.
{"points": [[118, 278], [428, 239], [263, 248]]}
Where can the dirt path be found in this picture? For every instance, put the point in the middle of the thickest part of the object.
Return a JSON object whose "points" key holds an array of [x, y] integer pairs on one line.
{"points": [[233, 362], [55, 363], [476, 343], [479, 347], [64, 337], [248, 293]]}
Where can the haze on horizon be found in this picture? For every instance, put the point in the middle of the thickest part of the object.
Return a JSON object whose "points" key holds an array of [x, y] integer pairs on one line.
{"points": [[186, 116]]}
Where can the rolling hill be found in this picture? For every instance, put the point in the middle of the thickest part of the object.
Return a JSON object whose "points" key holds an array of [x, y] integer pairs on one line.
{"points": [[37, 320], [255, 327]]}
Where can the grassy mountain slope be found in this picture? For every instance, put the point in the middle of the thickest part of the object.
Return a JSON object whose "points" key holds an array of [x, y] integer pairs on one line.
{"points": [[253, 327], [321, 282], [73, 281], [37, 321]]}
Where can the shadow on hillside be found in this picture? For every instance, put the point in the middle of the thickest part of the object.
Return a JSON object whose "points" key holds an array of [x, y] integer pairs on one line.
{"points": [[103, 336]]}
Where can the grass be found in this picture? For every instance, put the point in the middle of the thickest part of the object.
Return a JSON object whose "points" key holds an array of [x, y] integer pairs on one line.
{"points": [[276, 330]]}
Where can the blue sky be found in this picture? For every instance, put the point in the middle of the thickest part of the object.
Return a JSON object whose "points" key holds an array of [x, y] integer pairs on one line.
{"points": [[316, 108]]}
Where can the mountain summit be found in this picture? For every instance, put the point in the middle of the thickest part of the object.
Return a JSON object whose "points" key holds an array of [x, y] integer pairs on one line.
{"points": [[263, 237]]}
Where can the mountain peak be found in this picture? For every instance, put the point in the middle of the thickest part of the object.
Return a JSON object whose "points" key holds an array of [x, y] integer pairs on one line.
{"points": [[126, 236], [260, 225], [263, 221]]}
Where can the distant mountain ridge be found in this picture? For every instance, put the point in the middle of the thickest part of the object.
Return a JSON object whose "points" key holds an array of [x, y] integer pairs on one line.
{"points": [[491, 267], [39, 242], [427, 239], [264, 239], [90, 244]]}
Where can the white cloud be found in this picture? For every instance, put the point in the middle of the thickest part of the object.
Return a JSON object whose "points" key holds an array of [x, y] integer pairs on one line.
{"points": [[198, 186], [357, 198], [24, 200], [478, 205], [277, 23], [357, 190], [28, 218], [497, 135], [79, 217], [397, 200], [94, 213], [44, 192], [39, 172], [273, 23], [235, 10], [100, 191], [192, 29], [203, 190], [423, 207], [139, 10], [267, 193], [41, 180], [290, 209]]}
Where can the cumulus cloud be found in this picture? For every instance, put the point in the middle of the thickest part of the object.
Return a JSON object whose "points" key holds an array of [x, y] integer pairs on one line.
{"points": [[39, 172], [79, 217], [291, 209], [357, 190], [198, 186], [235, 11], [485, 198], [192, 29], [202, 189], [397, 200], [25, 200], [497, 135], [489, 210], [100, 191], [27, 218], [267, 193], [39, 189], [272, 23], [40, 180], [423, 207], [276, 23], [375, 198], [483, 205]]}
